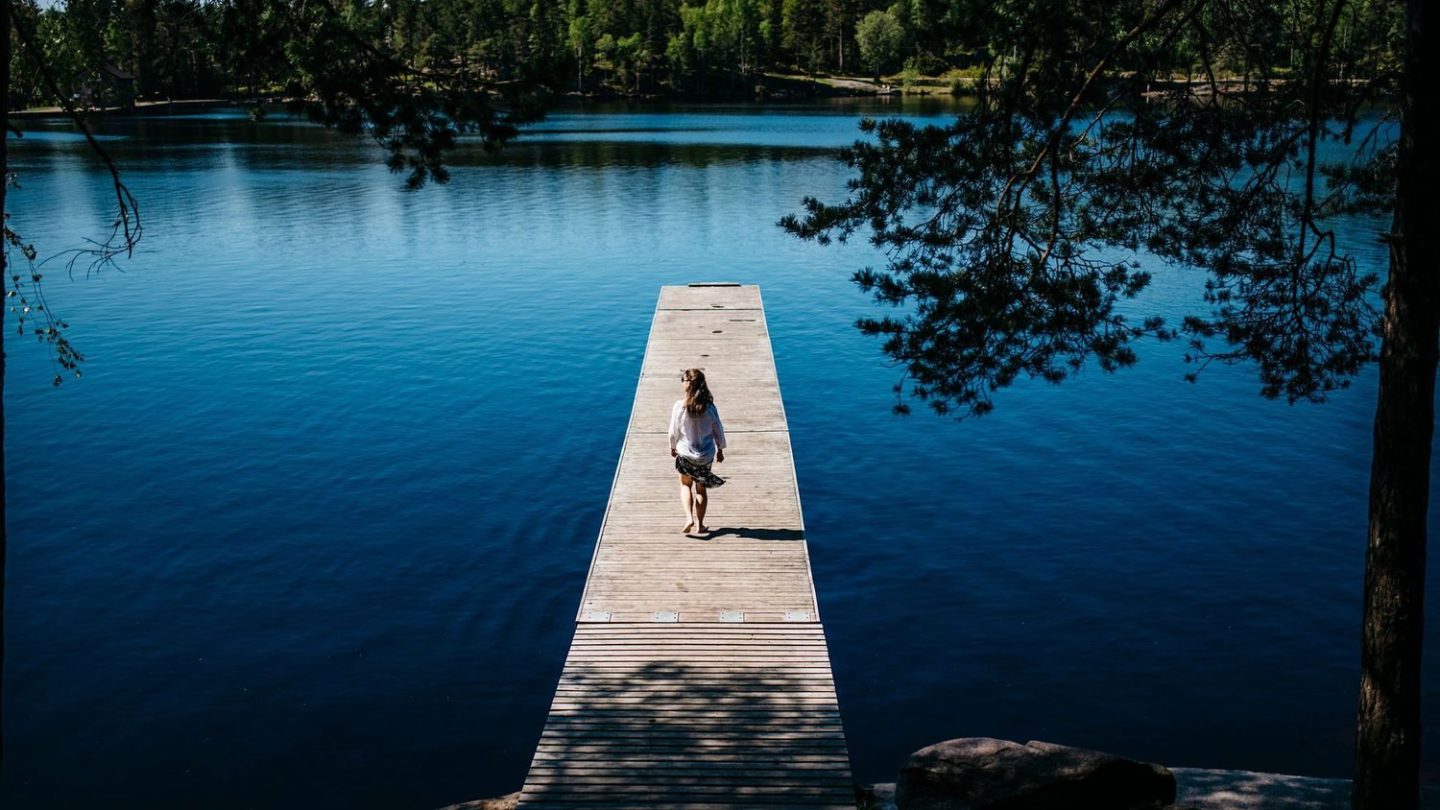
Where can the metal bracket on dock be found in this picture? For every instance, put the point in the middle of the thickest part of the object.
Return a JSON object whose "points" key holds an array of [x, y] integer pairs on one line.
{"points": [[595, 616], [732, 615], [665, 616], [799, 616]]}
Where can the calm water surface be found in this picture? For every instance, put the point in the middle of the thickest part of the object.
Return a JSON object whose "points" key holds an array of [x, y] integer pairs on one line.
{"points": [[312, 530]]}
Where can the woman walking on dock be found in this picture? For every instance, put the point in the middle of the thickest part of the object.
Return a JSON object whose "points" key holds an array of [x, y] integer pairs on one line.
{"points": [[697, 439]]}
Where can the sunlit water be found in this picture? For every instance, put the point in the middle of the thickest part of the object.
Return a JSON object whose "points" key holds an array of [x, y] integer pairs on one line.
{"points": [[313, 528]]}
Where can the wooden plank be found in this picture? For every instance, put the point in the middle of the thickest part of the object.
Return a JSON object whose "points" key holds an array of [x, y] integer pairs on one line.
{"points": [[699, 712], [706, 297], [723, 329]]}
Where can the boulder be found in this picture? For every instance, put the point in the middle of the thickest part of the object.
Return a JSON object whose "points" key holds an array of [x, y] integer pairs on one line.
{"points": [[979, 773], [879, 796], [509, 802]]}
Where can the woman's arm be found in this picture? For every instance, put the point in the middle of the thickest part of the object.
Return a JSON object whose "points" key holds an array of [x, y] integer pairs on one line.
{"points": [[718, 431], [674, 427]]}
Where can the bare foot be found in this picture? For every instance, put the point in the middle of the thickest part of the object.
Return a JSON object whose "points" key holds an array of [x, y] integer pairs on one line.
{"points": [[688, 527], [702, 530]]}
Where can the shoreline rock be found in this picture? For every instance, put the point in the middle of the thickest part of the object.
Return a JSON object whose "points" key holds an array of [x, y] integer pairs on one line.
{"points": [[1198, 788], [983, 773], [1217, 789], [509, 802]]}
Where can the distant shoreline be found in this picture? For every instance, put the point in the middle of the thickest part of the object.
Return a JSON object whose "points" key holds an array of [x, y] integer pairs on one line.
{"points": [[141, 108], [769, 87], [766, 87]]}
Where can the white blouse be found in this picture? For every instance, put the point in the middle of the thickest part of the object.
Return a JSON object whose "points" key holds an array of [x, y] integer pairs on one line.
{"points": [[696, 437]]}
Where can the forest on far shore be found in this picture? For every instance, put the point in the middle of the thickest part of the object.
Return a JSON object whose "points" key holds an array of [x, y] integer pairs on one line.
{"points": [[176, 49]]}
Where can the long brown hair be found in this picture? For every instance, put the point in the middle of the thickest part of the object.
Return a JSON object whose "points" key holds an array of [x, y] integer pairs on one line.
{"points": [[697, 393]]}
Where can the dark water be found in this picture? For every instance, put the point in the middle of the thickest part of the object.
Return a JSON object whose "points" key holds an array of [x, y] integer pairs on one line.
{"points": [[312, 530]]}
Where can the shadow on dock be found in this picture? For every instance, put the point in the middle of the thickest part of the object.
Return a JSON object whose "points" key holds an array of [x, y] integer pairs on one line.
{"points": [[748, 719], [757, 534]]}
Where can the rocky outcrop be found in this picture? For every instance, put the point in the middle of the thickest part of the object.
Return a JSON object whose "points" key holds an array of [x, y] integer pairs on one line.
{"points": [[980, 773], [502, 803]]}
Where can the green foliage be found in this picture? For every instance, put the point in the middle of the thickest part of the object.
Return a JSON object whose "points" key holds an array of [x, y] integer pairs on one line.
{"points": [[726, 34], [347, 81], [25, 300], [1014, 233], [190, 48], [880, 38], [802, 26], [581, 41]]}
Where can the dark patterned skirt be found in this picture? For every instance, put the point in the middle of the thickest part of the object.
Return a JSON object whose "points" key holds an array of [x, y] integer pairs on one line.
{"points": [[699, 472]]}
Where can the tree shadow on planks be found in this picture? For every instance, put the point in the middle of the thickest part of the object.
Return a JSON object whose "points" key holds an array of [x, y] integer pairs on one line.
{"points": [[679, 718], [757, 534]]}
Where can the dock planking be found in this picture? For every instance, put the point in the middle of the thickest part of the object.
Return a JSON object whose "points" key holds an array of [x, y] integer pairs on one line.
{"points": [[698, 676]]}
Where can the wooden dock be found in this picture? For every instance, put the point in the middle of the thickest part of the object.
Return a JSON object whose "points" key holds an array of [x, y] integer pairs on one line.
{"points": [[698, 676]]}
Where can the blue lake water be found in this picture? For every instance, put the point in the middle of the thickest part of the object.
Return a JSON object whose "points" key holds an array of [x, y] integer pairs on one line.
{"points": [[312, 529]]}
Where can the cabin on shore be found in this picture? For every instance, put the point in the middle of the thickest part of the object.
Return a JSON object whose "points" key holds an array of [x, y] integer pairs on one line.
{"points": [[107, 86]]}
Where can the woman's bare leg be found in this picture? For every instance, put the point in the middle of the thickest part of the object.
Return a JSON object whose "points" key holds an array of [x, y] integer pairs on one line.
{"points": [[687, 500], [700, 499]]}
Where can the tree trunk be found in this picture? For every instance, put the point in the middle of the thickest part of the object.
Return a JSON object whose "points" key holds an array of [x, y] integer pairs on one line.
{"points": [[1387, 762]]}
